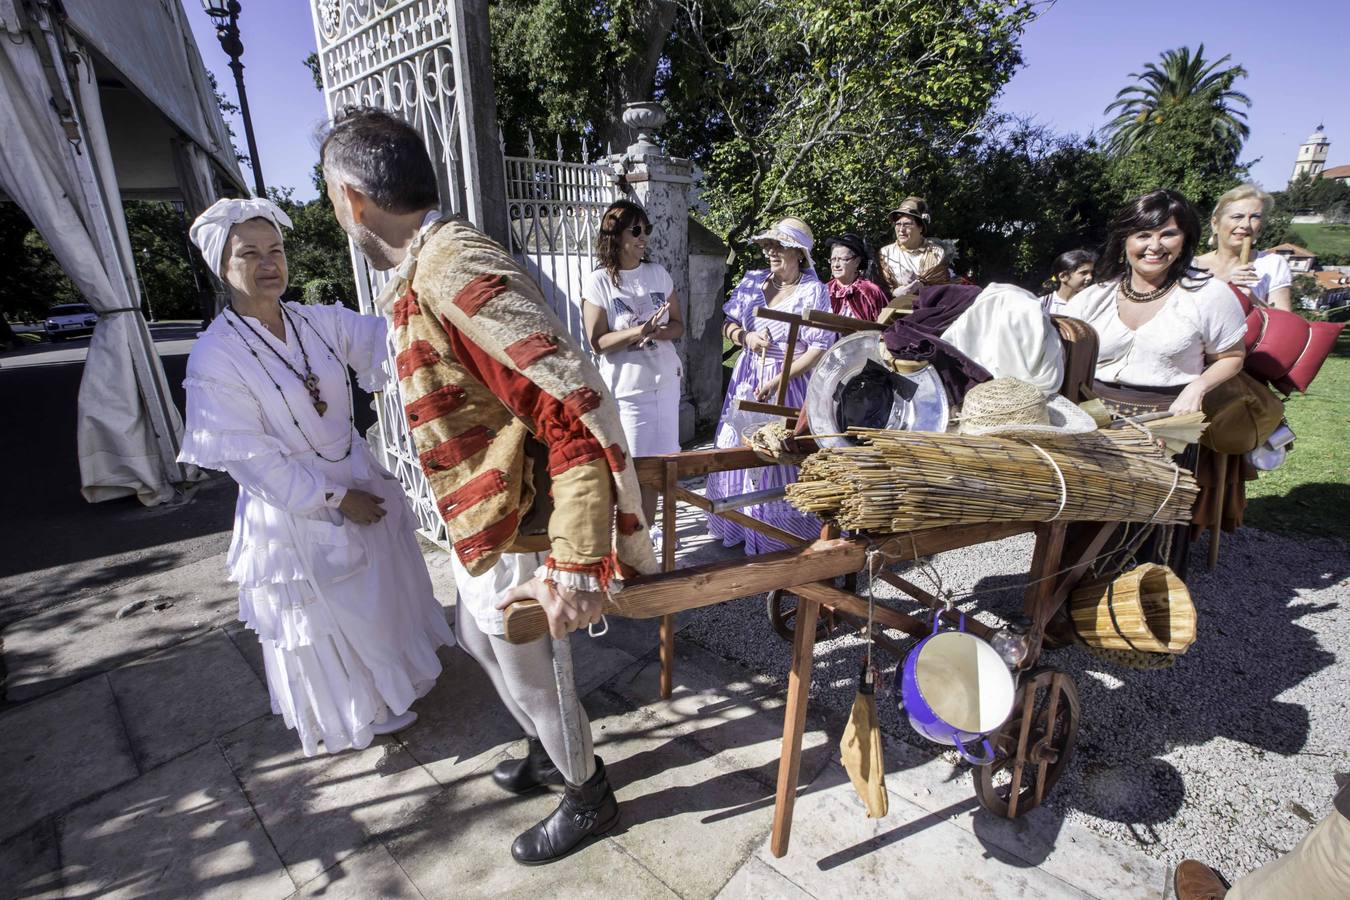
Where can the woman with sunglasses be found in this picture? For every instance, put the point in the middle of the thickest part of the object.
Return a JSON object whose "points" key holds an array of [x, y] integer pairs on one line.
{"points": [[788, 285], [632, 317], [852, 292]]}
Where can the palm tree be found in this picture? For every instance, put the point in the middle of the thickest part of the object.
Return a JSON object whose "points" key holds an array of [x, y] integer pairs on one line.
{"points": [[1182, 79]]}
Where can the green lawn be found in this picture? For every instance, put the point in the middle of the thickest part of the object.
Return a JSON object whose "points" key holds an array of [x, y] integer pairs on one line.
{"points": [[1322, 239], [1310, 493]]}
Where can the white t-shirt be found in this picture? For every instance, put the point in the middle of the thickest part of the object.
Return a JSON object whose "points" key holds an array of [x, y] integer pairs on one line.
{"points": [[634, 370], [1275, 274], [1054, 306], [1169, 349]]}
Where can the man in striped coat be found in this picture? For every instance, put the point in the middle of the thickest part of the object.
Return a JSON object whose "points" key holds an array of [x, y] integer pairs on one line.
{"points": [[521, 444]]}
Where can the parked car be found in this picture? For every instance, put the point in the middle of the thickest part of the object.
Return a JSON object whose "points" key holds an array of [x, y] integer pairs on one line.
{"points": [[69, 320]]}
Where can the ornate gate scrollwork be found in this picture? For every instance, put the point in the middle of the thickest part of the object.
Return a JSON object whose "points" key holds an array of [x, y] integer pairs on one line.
{"points": [[404, 56]]}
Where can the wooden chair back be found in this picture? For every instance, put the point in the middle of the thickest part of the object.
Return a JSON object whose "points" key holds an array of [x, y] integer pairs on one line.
{"points": [[1080, 357]]}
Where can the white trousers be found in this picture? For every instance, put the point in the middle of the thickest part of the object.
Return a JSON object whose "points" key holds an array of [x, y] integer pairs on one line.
{"points": [[534, 680], [651, 421]]}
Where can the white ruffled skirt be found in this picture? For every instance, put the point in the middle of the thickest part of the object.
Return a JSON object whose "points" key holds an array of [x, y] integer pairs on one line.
{"points": [[345, 613]]}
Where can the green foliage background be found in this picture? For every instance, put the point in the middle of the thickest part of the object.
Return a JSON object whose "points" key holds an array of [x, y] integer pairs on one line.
{"points": [[829, 110]]}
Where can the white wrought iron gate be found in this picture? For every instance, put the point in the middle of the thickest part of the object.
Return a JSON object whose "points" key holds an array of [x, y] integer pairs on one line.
{"points": [[553, 211], [405, 56]]}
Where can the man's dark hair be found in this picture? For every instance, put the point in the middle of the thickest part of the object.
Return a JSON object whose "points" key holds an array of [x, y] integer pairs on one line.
{"points": [[382, 155]]}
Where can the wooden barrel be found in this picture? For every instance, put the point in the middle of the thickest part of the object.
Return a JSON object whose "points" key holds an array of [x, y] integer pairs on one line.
{"points": [[1147, 608]]}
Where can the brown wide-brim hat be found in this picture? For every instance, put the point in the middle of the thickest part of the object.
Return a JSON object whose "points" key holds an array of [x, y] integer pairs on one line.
{"points": [[914, 207]]}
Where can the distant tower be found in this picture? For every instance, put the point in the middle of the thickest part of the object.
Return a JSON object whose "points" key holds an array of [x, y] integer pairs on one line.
{"points": [[1312, 154]]}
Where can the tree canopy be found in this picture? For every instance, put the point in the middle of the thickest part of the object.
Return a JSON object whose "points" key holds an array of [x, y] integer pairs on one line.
{"points": [[1185, 84], [1180, 154], [565, 68], [831, 110]]}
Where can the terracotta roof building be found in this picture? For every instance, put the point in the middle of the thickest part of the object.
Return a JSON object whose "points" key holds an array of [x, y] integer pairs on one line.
{"points": [[1338, 173], [1301, 259]]}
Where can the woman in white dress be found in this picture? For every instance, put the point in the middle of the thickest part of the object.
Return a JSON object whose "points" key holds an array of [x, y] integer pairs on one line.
{"points": [[1238, 216], [633, 318], [324, 551]]}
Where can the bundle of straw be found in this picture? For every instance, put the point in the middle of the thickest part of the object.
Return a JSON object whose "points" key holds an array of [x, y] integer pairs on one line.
{"points": [[900, 481]]}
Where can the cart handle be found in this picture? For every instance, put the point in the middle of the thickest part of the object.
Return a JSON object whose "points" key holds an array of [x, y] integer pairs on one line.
{"points": [[649, 596]]}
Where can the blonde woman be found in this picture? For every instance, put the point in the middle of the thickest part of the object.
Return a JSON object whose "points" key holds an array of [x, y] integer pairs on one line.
{"points": [[1239, 215]]}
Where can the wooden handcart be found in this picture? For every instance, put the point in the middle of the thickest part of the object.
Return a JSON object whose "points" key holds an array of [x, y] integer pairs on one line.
{"points": [[1032, 748]]}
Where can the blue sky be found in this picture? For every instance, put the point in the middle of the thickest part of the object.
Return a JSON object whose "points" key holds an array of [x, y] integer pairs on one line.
{"points": [[1077, 55]]}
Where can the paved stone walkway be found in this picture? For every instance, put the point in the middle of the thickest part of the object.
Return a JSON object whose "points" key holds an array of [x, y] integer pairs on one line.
{"points": [[138, 757]]}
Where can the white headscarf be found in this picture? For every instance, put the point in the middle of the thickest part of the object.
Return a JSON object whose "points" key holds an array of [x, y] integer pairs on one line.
{"points": [[212, 228]]}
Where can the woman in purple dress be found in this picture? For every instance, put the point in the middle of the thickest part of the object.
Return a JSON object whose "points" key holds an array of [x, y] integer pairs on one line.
{"points": [[788, 285]]}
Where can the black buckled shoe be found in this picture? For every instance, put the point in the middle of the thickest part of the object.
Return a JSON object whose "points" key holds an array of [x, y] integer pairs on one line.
{"points": [[587, 810], [520, 776]]}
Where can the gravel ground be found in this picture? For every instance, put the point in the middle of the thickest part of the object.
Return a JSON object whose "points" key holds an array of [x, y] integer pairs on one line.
{"points": [[1227, 757]]}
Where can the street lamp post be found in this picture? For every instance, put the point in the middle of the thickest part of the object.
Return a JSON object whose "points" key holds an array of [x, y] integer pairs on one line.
{"points": [[225, 13]]}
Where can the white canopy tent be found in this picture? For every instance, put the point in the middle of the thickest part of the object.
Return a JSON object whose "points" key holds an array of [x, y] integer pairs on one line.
{"points": [[62, 69]]}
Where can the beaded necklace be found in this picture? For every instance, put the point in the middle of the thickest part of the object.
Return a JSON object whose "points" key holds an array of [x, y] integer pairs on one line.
{"points": [[1129, 293], [309, 379]]}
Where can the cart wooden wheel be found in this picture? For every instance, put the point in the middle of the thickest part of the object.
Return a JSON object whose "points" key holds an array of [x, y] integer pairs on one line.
{"points": [[783, 616], [1034, 746]]}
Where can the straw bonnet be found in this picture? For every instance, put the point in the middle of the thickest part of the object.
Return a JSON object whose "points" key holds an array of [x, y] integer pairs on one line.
{"points": [[789, 232], [914, 207], [1010, 406]]}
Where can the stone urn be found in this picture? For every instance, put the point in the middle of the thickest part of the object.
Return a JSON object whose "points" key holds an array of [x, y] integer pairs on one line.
{"points": [[646, 118]]}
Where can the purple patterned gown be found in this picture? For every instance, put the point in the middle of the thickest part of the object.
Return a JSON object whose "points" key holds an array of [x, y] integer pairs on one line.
{"points": [[745, 379]]}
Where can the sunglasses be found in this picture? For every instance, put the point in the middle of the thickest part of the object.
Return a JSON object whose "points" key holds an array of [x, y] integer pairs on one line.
{"points": [[639, 230]]}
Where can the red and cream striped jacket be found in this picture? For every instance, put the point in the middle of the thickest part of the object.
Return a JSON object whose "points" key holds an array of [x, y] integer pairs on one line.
{"points": [[484, 365]]}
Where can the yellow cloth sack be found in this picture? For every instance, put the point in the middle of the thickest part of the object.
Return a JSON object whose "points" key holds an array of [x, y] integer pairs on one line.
{"points": [[860, 749]]}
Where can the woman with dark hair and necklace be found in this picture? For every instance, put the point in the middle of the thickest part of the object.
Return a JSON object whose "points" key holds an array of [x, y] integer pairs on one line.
{"points": [[1168, 334], [1164, 328], [324, 551]]}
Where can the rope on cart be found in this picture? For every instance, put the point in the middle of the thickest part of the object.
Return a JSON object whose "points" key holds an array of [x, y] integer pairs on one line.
{"points": [[934, 577], [1064, 488]]}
